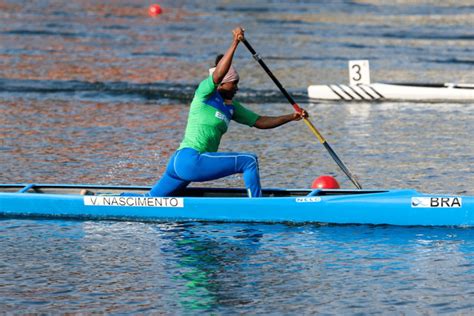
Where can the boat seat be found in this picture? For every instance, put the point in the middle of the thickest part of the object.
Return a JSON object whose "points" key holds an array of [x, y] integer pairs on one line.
{"points": [[86, 192]]}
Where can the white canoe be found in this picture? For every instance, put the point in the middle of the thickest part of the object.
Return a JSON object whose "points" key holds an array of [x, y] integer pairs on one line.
{"points": [[383, 91]]}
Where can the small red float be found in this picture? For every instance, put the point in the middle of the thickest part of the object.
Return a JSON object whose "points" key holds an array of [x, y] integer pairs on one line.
{"points": [[154, 10], [325, 182]]}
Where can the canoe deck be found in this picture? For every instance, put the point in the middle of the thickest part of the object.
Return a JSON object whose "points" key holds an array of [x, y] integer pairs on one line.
{"points": [[71, 189]]}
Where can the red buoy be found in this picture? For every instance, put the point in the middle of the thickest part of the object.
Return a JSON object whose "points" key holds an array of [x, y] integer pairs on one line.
{"points": [[154, 10], [325, 182]]}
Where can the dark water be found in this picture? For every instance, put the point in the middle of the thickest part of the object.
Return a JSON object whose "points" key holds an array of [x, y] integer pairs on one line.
{"points": [[97, 92]]}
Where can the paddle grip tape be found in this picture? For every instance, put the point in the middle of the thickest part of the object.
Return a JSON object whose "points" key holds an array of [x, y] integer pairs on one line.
{"points": [[297, 108]]}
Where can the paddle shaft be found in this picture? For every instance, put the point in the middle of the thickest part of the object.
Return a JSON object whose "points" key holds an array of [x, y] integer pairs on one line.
{"points": [[297, 108]]}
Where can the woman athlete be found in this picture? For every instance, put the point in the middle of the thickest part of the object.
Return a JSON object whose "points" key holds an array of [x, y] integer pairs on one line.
{"points": [[212, 109]]}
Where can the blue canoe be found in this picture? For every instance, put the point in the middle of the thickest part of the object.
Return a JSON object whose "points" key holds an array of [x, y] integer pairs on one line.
{"points": [[377, 207]]}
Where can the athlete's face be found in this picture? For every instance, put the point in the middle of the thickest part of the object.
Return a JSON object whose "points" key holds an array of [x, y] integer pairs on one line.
{"points": [[229, 89]]}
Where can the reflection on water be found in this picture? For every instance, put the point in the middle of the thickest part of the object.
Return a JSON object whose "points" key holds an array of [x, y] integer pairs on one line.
{"points": [[389, 145], [86, 142], [122, 267]]}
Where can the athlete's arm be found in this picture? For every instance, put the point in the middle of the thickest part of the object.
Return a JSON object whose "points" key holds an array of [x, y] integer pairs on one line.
{"points": [[224, 64], [265, 122]]}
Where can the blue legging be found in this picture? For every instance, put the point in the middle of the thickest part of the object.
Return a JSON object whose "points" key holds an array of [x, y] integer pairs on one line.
{"points": [[188, 165]]}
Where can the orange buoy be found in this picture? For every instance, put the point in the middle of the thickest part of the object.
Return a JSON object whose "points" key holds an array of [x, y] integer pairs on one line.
{"points": [[325, 182]]}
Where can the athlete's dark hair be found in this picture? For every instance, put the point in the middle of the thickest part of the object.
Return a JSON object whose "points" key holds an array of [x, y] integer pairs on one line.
{"points": [[218, 58]]}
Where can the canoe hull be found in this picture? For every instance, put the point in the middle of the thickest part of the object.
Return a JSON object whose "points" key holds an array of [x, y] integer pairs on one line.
{"points": [[391, 207]]}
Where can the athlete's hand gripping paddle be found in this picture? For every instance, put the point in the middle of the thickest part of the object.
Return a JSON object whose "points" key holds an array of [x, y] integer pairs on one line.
{"points": [[297, 108]]}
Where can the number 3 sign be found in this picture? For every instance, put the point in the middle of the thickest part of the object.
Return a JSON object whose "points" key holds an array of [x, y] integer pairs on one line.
{"points": [[359, 72]]}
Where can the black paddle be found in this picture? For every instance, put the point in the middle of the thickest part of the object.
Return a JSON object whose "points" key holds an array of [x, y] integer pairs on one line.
{"points": [[297, 108]]}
